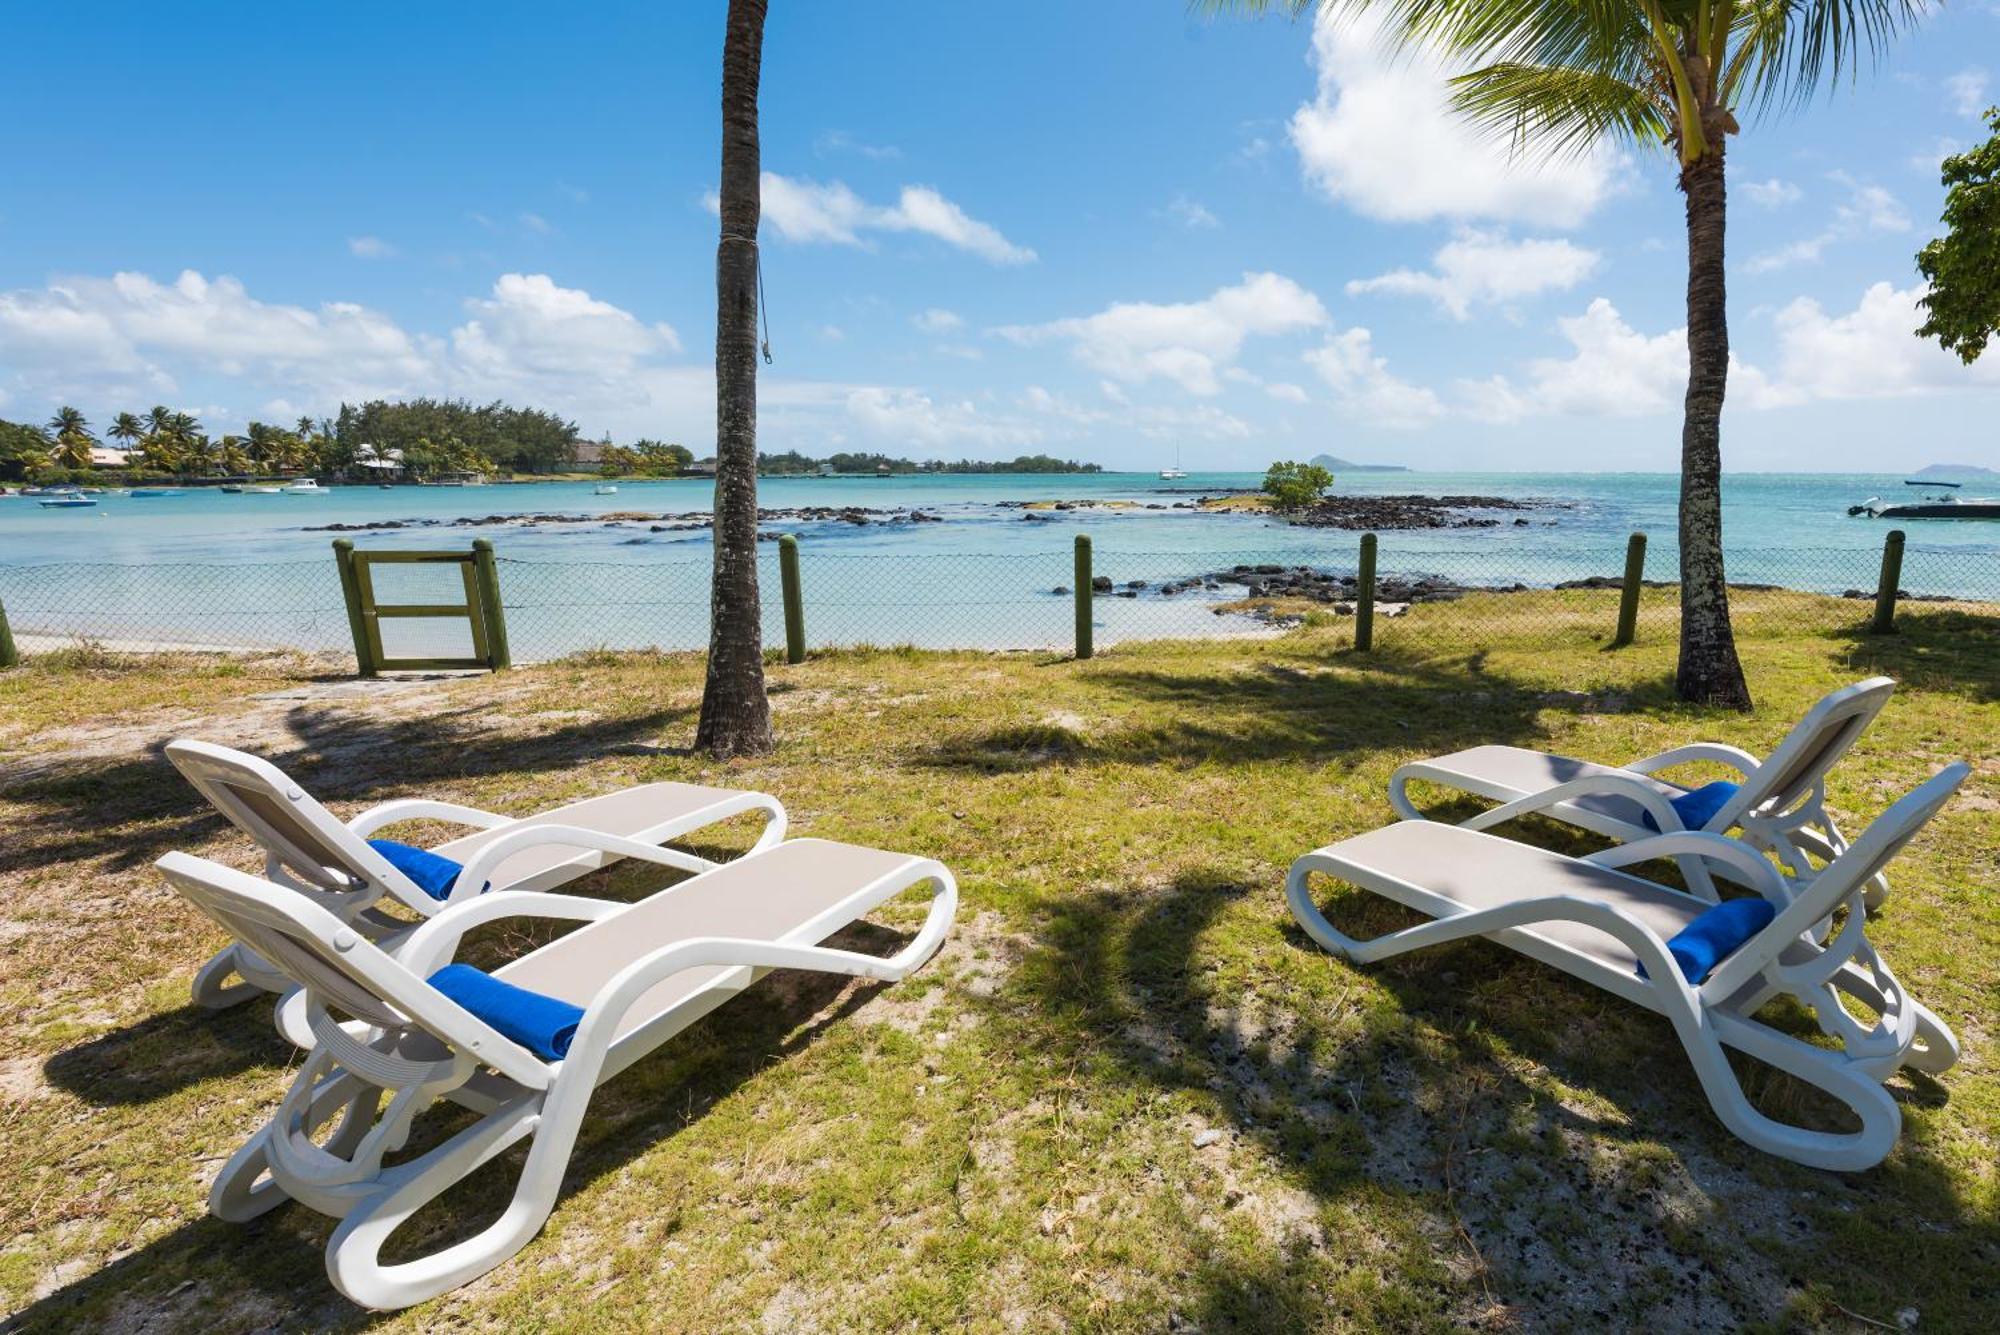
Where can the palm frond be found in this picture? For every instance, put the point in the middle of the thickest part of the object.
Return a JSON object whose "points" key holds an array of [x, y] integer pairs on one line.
{"points": [[1558, 111]]}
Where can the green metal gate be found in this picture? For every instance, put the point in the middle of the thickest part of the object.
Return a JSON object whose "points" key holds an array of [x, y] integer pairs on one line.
{"points": [[481, 608]]}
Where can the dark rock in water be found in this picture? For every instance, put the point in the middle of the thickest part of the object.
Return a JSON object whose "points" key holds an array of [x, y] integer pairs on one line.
{"points": [[1034, 518], [919, 517], [1101, 583], [1128, 593], [1135, 584], [1378, 513], [1061, 590]]}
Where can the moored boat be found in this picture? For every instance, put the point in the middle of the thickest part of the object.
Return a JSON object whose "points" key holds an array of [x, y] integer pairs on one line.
{"points": [[1947, 503]]}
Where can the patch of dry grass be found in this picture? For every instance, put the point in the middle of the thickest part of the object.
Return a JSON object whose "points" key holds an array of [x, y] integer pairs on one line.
{"points": [[1127, 1095]]}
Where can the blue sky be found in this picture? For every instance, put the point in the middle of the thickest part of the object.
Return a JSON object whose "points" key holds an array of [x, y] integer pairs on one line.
{"points": [[1107, 230]]}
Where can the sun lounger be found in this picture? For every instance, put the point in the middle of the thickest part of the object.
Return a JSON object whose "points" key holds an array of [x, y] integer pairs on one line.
{"points": [[1778, 804], [335, 864], [1620, 933], [386, 1023]]}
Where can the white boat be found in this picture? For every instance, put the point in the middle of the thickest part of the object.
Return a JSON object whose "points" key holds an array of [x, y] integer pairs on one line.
{"points": [[1945, 502], [265, 490], [305, 486], [66, 502], [607, 491], [1176, 473]]}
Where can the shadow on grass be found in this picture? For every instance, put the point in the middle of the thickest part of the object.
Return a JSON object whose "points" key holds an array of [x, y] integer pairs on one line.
{"points": [[1533, 1149], [168, 1052], [1945, 650], [129, 812], [1287, 710], [208, 1274]]}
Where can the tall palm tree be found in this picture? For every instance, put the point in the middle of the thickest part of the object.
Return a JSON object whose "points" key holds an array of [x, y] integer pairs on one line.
{"points": [[73, 438], [1556, 76], [159, 420], [735, 715], [127, 428]]}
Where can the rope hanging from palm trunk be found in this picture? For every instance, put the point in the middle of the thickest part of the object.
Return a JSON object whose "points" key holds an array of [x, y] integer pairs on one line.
{"points": [[763, 306]]}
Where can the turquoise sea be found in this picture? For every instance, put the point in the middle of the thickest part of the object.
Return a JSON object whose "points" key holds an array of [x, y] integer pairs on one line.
{"points": [[204, 567]]}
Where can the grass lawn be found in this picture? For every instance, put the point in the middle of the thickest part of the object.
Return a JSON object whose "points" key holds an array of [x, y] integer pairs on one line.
{"points": [[1127, 1096]]}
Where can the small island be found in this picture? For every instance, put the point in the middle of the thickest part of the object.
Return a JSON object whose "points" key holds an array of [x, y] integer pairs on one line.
{"points": [[1956, 473], [1333, 463]]}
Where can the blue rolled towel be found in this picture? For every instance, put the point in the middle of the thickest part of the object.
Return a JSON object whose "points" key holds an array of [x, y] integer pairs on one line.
{"points": [[430, 873], [1711, 938], [1697, 808], [541, 1024]]}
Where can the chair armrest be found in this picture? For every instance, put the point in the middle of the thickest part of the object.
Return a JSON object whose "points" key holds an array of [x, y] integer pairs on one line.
{"points": [[1649, 799], [1735, 757], [433, 944], [418, 808], [479, 867], [1759, 873]]}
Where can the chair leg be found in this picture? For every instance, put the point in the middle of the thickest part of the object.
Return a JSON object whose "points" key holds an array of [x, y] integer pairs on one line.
{"points": [[1852, 1151], [212, 989], [353, 1253]]}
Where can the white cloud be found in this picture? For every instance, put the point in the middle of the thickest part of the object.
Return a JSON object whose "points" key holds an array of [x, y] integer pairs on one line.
{"points": [[1486, 268], [529, 327], [1191, 213], [938, 320], [1871, 351], [1867, 208], [370, 248], [1965, 92], [1771, 193], [832, 333], [536, 223], [840, 141], [1286, 392], [576, 194], [1379, 136], [809, 211], [1189, 343], [1365, 389], [910, 417]]}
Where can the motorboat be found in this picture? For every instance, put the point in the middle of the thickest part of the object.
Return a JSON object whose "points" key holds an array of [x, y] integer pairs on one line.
{"points": [[607, 490], [265, 490], [304, 486], [71, 502], [152, 493], [1945, 502]]}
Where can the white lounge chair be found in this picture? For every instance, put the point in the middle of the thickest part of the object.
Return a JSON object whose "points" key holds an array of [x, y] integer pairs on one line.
{"points": [[1779, 803], [309, 849], [1603, 926], [640, 973]]}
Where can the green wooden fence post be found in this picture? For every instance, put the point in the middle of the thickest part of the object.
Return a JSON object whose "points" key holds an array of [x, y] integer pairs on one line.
{"points": [[795, 599], [486, 573], [1364, 605], [350, 591], [1083, 592], [1628, 599], [1891, 582], [9, 655]]}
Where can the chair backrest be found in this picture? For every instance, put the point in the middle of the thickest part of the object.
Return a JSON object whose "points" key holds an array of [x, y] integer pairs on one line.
{"points": [[1845, 878], [295, 831], [335, 964], [1813, 746]]}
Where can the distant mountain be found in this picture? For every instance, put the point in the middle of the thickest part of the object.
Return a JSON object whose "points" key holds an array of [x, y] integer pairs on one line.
{"points": [[1333, 464], [1949, 472]]}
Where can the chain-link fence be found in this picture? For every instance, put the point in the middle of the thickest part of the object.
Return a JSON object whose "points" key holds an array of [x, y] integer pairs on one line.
{"points": [[1423, 599]]}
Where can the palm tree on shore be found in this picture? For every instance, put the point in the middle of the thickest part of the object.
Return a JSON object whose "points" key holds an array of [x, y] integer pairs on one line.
{"points": [[72, 437], [735, 713], [1556, 76], [126, 428]]}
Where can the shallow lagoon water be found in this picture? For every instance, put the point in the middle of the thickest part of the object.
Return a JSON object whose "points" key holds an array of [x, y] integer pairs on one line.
{"points": [[184, 568]]}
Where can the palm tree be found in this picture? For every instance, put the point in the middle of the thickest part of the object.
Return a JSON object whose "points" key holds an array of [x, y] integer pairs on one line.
{"points": [[159, 420], [1556, 76], [126, 427], [73, 438], [735, 715]]}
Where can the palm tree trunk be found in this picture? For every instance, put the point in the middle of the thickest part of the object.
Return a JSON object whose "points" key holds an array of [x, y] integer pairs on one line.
{"points": [[735, 715], [1709, 671]]}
